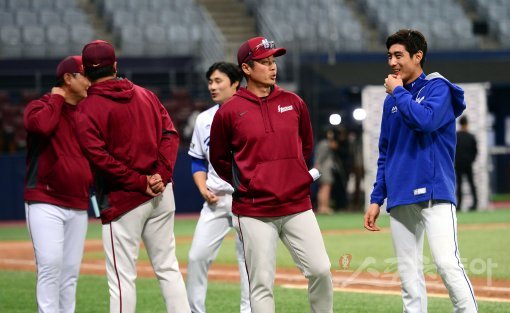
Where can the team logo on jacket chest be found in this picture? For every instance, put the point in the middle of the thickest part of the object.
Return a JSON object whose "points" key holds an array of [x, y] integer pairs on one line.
{"points": [[394, 109], [285, 109]]}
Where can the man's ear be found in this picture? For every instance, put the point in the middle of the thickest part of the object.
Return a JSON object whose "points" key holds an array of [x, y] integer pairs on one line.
{"points": [[418, 56], [67, 79], [246, 69]]}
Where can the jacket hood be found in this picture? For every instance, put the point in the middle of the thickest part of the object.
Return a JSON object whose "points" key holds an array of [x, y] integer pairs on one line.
{"points": [[248, 95], [118, 89], [459, 105]]}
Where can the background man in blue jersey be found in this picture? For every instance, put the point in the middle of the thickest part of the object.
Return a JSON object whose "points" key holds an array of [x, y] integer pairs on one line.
{"points": [[415, 172]]}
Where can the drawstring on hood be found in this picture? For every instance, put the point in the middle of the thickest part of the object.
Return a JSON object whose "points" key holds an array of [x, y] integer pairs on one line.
{"points": [[262, 102]]}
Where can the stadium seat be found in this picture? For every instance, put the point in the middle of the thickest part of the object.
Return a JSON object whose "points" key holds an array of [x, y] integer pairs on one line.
{"points": [[34, 41], [38, 5], [119, 19], [178, 37], [132, 40], [146, 17], [26, 17], [47, 18], [110, 6], [72, 17], [10, 41], [6, 18], [79, 36], [15, 5], [157, 44], [158, 5], [62, 5], [135, 5], [57, 41], [169, 17]]}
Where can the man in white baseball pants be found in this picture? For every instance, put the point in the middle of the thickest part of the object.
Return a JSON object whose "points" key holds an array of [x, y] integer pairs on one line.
{"points": [[215, 220], [415, 172]]}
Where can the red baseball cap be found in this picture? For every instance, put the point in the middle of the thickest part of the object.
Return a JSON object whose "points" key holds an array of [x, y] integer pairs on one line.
{"points": [[258, 48], [98, 53], [71, 65]]}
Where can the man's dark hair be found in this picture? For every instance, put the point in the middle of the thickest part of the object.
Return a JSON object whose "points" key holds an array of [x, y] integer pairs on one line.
{"points": [[60, 80], [94, 74], [463, 120], [413, 40], [233, 72], [251, 64]]}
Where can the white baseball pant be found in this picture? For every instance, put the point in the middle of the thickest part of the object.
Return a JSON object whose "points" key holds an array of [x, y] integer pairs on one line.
{"points": [[439, 221], [58, 236], [301, 234], [213, 225], [153, 222]]}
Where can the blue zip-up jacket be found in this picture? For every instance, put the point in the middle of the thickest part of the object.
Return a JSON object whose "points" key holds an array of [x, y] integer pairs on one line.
{"points": [[417, 142]]}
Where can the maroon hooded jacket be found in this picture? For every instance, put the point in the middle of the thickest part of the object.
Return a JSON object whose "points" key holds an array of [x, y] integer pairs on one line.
{"points": [[57, 171], [260, 146], [126, 134]]}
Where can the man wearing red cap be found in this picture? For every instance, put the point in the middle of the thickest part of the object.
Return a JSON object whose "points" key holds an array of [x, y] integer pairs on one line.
{"points": [[261, 140], [131, 142], [57, 184]]}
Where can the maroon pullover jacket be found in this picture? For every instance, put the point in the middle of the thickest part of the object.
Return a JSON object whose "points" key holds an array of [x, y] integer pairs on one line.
{"points": [[126, 134], [260, 146], [57, 172]]}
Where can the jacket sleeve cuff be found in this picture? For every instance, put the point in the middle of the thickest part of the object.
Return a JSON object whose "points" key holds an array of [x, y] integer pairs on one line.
{"points": [[142, 183], [165, 174]]}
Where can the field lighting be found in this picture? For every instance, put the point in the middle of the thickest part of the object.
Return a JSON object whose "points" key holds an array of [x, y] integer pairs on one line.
{"points": [[335, 119], [359, 114]]}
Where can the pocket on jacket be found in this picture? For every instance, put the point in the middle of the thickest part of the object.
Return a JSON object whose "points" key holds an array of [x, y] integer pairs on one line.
{"points": [[280, 181], [70, 176]]}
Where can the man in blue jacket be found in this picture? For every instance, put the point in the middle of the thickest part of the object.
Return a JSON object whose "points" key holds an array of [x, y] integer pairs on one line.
{"points": [[415, 172]]}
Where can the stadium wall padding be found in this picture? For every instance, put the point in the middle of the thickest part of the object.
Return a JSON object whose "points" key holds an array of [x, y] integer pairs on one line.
{"points": [[12, 169]]}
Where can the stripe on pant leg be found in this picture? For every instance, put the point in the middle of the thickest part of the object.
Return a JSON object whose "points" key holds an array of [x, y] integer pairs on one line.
{"points": [[245, 260], [115, 266], [35, 254], [457, 256]]}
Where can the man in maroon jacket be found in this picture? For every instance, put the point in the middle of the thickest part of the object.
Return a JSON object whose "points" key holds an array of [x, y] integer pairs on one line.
{"points": [[261, 140], [57, 185], [131, 142]]}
